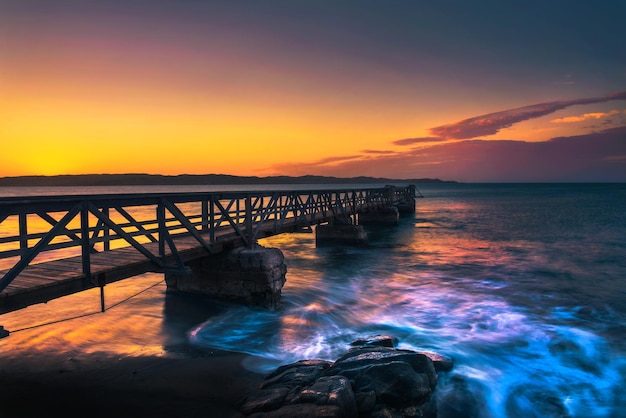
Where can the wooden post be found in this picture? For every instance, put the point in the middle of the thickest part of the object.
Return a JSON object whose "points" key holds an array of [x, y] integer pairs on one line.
{"points": [[212, 220], [205, 215], [23, 234], [84, 238], [162, 228], [101, 283], [106, 231], [354, 208], [249, 232], [391, 195]]}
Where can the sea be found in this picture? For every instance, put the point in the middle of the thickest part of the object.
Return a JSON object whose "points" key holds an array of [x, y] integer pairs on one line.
{"points": [[522, 286]]}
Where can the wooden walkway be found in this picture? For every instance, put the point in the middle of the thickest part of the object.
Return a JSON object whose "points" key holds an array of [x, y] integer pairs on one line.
{"points": [[39, 283], [171, 238]]}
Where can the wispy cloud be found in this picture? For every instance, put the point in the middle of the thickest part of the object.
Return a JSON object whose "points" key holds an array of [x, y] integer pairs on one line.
{"points": [[597, 156], [375, 151], [411, 141], [453, 153], [586, 116], [336, 159], [492, 123]]}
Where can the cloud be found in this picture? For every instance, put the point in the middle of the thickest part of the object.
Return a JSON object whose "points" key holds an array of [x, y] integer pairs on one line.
{"points": [[597, 156], [337, 159], [580, 118], [318, 166], [374, 151], [492, 123], [410, 141]]}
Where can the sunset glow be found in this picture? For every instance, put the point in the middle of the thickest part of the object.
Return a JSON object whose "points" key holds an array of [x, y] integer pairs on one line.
{"points": [[289, 88]]}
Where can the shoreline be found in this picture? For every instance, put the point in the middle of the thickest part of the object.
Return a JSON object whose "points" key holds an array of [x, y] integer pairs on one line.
{"points": [[190, 384], [132, 360]]}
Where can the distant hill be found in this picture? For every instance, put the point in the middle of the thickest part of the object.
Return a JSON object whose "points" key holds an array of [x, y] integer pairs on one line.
{"points": [[193, 179]]}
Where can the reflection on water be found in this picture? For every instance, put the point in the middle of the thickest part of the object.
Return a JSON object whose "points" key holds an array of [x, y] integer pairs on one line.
{"points": [[471, 280], [75, 324], [521, 285]]}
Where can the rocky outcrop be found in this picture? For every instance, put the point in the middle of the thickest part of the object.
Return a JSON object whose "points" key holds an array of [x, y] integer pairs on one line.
{"points": [[373, 379]]}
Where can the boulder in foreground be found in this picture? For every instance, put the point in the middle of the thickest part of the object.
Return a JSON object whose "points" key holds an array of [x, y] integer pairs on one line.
{"points": [[371, 380]]}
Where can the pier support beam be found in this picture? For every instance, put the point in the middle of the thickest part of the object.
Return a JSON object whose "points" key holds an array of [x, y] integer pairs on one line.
{"points": [[339, 234], [388, 215], [406, 206], [252, 276], [3, 332]]}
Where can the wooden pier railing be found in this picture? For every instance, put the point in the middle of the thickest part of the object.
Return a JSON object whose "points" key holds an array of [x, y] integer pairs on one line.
{"points": [[90, 240]]}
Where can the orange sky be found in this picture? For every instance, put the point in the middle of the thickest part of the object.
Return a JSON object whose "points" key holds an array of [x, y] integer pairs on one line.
{"points": [[166, 88]]}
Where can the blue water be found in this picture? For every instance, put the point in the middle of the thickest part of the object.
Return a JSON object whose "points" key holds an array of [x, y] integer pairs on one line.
{"points": [[523, 286]]}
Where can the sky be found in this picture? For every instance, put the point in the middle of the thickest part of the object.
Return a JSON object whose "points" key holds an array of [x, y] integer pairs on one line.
{"points": [[472, 91]]}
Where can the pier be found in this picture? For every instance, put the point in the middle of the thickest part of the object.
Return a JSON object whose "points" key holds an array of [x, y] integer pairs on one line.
{"points": [[53, 246]]}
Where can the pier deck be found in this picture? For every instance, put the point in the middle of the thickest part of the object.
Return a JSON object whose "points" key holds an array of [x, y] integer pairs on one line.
{"points": [[52, 246]]}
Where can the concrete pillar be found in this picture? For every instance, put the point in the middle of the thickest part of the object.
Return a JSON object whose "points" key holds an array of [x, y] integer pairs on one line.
{"points": [[406, 206], [388, 215], [252, 276], [339, 234]]}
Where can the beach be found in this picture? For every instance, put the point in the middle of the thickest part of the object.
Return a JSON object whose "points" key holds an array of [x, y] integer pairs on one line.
{"points": [[131, 360], [209, 385]]}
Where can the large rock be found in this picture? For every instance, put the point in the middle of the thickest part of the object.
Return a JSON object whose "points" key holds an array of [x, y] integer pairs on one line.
{"points": [[299, 374], [332, 390], [394, 383], [356, 359], [441, 363], [370, 380], [299, 390], [266, 400], [304, 411], [376, 341]]}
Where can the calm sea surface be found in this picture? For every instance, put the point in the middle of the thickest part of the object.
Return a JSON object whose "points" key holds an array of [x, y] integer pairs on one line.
{"points": [[523, 286]]}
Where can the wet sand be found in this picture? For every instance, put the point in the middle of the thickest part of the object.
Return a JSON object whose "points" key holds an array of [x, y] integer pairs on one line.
{"points": [[209, 385], [133, 360]]}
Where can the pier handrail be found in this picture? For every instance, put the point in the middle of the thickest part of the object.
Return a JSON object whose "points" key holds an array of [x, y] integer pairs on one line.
{"points": [[53, 227]]}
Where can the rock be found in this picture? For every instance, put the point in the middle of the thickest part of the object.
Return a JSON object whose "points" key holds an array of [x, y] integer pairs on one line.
{"points": [[365, 401], [441, 363], [394, 383], [361, 357], [333, 390], [373, 379], [266, 400], [386, 412], [327, 396], [376, 341], [301, 365], [299, 374], [304, 411]]}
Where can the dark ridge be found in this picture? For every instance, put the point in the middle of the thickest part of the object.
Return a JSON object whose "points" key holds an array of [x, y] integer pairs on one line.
{"points": [[193, 179]]}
